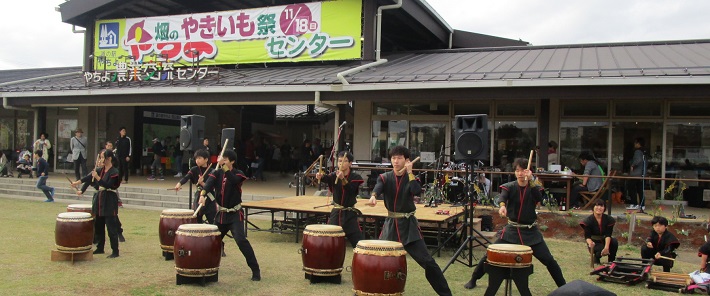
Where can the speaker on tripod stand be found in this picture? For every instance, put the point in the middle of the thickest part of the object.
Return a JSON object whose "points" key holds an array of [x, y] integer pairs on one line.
{"points": [[471, 135]]}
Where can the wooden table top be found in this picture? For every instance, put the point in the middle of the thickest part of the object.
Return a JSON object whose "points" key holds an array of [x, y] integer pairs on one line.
{"points": [[307, 203]]}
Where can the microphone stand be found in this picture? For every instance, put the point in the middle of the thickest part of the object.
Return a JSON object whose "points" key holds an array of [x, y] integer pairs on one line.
{"points": [[467, 229]]}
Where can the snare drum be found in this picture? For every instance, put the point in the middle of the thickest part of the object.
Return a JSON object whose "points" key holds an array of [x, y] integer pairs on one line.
{"points": [[86, 208], [170, 220], [74, 232], [509, 255], [323, 250], [198, 250], [379, 268]]}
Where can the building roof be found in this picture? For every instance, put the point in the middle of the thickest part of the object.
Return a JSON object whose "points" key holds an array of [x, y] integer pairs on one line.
{"points": [[23, 74], [562, 65]]}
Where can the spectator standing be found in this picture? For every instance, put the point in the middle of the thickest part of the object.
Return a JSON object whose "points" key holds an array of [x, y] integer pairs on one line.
{"points": [[78, 152], [124, 153], [43, 144]]}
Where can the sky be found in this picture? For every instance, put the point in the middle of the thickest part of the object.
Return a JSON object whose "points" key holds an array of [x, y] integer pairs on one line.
{"points": [[34, 36]]}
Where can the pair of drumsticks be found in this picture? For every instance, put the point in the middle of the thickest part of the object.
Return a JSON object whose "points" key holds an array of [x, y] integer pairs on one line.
{"points": [[402, 171], [221, 154]]}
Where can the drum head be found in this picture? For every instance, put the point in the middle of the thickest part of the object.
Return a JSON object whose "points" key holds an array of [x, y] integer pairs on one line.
{"points": [[510, 248], [178, 212], [384, 244], [74, 215], [324, 227], [79, 206], [197, 227]]}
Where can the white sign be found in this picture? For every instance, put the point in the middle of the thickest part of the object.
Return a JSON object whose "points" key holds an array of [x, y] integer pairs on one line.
{"points": [[428, 157]]}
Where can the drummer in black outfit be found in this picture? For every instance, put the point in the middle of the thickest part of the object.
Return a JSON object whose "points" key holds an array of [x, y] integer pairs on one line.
{"points": [[345, 185], [519, 198], [399, 188], [195, 176], [227, 184], [105, 202]]}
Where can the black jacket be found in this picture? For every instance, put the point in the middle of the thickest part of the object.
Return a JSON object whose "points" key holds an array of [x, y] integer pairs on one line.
{"points": [[123, 147]]}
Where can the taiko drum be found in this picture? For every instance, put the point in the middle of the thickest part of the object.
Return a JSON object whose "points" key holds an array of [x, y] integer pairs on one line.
{"points": [[170, 220], [74, 232], [379, 268], [198, 250], [509, 255], [323, 250], [86, 208]]}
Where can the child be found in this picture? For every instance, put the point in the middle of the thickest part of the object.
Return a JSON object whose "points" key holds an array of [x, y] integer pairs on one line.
{"points": [[660, 243], [42, 175], [195, 176], [24, 166]]}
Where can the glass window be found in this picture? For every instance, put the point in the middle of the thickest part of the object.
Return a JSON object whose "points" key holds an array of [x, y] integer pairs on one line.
{"points": [[427, 137], [576, 137], [638, 108], [429, 109], [513, 139], [687, 109], [389, 109], [688, 150], [584, 108], [65, 131], [516, 109], [387, 134], [465, 109], [622, 145]]}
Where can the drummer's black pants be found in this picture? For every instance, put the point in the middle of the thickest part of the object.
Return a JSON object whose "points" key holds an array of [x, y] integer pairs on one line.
{"points": [[432, 271], [540, 251], [237, 229], [111, 224]]}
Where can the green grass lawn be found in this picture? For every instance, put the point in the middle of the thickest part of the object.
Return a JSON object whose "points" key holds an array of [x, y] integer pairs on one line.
{"points": [[27, 237]]}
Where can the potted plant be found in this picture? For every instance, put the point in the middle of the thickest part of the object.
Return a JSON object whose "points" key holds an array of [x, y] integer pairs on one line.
{"points": [[673, 195]]}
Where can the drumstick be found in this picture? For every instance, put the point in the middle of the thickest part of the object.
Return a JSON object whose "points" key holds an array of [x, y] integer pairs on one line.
{"points": [[70, 181], [413, 161], [529, 162], [667, 258], [194, 215], [320, 168]]}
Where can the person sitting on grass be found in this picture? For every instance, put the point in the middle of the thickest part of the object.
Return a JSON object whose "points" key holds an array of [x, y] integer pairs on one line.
{"points": [[598, 228], [660, 244]]}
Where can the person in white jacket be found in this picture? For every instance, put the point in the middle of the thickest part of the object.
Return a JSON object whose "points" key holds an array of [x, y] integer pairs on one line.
{"points": [[78, 152], [43, 144]]}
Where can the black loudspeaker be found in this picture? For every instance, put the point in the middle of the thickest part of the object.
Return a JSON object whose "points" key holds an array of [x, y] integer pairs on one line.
{"points": [[192, 131], [471, 135], [579, 287], [228, 133]]}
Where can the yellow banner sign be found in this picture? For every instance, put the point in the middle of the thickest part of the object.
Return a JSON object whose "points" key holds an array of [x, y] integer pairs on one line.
{"points": [[317, 31]]}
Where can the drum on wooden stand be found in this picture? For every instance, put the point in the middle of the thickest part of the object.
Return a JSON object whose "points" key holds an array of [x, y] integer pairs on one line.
{"points": [[323, 251], [198, 251], [379, 268], [170, 220], [74, 232], [509, 255], [86, 208]]}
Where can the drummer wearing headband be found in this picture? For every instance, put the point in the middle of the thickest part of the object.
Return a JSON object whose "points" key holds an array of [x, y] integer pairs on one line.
{"points": [[345, 185], [519, 198], [399, 188]]}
